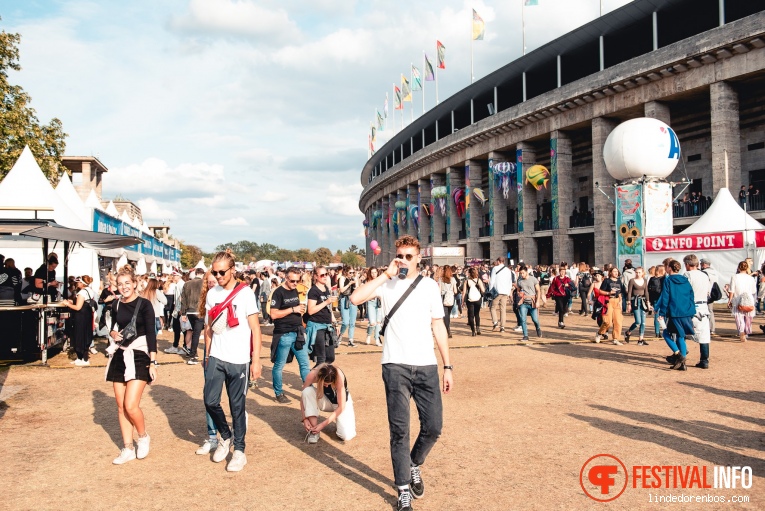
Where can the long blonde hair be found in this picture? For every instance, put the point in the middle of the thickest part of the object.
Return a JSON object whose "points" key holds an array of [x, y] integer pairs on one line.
{"points": [[326, 373], [201, 306]]}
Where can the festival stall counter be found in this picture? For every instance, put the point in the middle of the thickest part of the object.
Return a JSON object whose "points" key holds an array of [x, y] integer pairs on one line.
{"points": [[28, 330]]}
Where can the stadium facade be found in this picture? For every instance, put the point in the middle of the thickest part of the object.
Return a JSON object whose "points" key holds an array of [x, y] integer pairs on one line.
{"points": [[698, 65]]}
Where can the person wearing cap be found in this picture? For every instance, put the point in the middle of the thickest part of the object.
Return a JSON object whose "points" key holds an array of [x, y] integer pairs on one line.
{"points": [[714, 277], [45, 277]]}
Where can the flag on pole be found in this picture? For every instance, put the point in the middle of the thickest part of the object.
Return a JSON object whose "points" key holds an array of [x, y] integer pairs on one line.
{"points": [[380, 121], [478, 27], [374, 132], [441, 50], [406, 89], [385, 108], [416, 79], [371, 147], [397, 103], [529, 3], [430, 75]]}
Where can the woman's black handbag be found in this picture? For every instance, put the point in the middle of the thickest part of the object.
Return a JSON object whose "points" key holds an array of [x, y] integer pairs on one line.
{"points": [[130, 332], [330, 337]]}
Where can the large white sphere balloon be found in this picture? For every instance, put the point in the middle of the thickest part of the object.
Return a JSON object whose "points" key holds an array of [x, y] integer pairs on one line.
{"points": [[641, 147]]}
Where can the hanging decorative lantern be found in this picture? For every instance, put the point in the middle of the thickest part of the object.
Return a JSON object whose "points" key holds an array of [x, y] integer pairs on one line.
{"points": [[440, 195], [504, 174]]}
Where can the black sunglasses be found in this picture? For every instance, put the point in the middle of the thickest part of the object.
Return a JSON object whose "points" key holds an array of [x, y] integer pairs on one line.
{"points": [[219, 273], [320, 275], [293, 281], [408, 256]]}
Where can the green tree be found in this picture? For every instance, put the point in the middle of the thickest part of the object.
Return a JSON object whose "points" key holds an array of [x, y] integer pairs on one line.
{"points": [[322, 256], [352, 259], [190, 255], [19, 125]]}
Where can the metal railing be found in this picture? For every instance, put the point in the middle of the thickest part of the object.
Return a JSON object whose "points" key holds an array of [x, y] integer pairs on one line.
{"points": [[511, 228], [543, 225], [483, 232], [580, 221]]}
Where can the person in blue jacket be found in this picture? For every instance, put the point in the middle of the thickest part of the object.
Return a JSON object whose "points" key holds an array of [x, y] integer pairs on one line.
{"points": [[675, 306]]}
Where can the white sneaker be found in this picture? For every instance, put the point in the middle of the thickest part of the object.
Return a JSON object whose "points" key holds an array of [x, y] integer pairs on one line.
{"points": [[208, 446], [81, 363], [93, 351], [171, 349], [222, 450], [237, 463], [125, 456], [518, 329], [597, 338], [378, 343], [312, 438], [617, 342], [142, 446]]}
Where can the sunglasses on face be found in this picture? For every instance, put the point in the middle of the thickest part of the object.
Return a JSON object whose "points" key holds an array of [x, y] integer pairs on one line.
{"points": [[321, 275], [219, 273], [293, 281], [408, 256]]}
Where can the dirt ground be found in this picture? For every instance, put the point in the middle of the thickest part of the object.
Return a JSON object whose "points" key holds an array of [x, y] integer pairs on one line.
{"points": [[518, 427]]}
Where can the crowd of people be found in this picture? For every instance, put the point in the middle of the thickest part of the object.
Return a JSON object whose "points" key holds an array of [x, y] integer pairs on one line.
{"points": [[314, 311]]}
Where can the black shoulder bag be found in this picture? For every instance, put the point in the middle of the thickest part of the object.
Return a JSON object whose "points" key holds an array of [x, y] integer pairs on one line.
{"points": [[398, 304], [130, 332]]}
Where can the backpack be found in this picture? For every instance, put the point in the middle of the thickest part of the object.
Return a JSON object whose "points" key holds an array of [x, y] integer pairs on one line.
{"points": [[714, 291], [447, 294], [628, 275], [544, 279], [474, 294], [655, 287], [585, 280]]}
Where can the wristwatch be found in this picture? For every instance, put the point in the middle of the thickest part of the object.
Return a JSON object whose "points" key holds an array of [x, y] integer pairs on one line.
{"points": [[449, 367], [154, 362]]}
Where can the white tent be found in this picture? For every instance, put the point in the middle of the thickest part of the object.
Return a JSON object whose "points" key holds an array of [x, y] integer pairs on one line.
{"points": [[92, 201], [122, 261], [140, 268], [26, 189], [65, 190], [153, 267], [724, 215], [201, 264], [111, 209]]}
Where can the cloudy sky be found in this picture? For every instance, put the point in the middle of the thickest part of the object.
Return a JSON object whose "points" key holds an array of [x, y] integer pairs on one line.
{"points": [[248, 119]]}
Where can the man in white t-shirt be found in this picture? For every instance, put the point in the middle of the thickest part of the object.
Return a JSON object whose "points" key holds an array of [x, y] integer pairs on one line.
{"points": [[701, 285], [231, 354], [409, 365]]}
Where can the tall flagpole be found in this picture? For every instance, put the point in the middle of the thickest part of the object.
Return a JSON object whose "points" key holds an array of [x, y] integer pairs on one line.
{"points": [[523, 25], [411, 86], [436, 72], [422, 78], [471, 52]]}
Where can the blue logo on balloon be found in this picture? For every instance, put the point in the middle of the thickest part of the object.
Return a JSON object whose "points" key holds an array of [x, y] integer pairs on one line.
{"points": [[674, 145]]}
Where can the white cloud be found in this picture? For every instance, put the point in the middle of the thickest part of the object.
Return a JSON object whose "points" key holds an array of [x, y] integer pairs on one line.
{"points": [[236, 221], [155, 178], [152, 210], [271, 196], [236, 17]]}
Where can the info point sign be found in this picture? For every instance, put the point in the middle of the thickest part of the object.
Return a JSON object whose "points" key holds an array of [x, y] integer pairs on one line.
{"points": [[604, 478]]}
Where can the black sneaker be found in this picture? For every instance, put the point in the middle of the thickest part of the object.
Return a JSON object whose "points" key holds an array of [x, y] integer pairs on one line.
{"points": [[539, 333], [417, 486], [281, 398], [671, 359], [524, 339], [702, 365], [404, 501], [494, 328], [186, 351]]}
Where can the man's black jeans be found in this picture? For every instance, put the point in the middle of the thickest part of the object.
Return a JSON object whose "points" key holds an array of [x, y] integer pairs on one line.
{"points": [[403, 382]]}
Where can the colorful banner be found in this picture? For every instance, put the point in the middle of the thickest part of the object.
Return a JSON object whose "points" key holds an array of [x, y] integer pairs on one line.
{"points": [[385, 107], [759, 239], [380, 122], [441, 51], [657, 204], [103, 222], [629, 224], [416, 79], [529, 3], [491, 197], [468, 191], [519, 186], [430, 74], [695, 242], [397, 104], [406, 89], [478, 27], [554, 182]]}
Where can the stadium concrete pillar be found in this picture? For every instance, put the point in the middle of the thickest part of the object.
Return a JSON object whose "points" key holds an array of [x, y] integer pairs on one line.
{"points": [[605, 242], [474, 173], [455, 178], [384, 237], [527, 246], [400, 218], [439, 218], [426, 221], [726, 141], [411, 200], [658, 110], [497, 208], [562, 195]]}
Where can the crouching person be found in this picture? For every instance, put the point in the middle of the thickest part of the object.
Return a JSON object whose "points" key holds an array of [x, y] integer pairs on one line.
{"points": [[326, 389]]}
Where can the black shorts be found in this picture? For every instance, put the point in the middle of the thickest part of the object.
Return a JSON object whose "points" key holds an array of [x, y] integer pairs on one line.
{"points": [[116, 371]]}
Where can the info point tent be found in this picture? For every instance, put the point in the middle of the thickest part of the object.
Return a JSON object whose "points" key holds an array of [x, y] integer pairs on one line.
{"points": [[725, 235]]}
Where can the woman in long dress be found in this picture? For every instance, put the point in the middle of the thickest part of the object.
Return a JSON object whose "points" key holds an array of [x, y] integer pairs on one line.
{"points": [[741, 296]]}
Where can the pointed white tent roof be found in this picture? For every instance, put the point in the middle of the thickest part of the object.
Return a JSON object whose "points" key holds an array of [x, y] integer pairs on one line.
{"points": [[122, 261], [153, 267], [201, 264], [724, 215], [125, 217], [65, 190], [16, 192], [140, 268], [111, 209], [92, 201], [145, 228]]}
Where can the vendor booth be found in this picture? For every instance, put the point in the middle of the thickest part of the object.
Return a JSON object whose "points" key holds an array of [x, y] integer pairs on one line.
{"points": [[28, 330], [725, 234]]}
